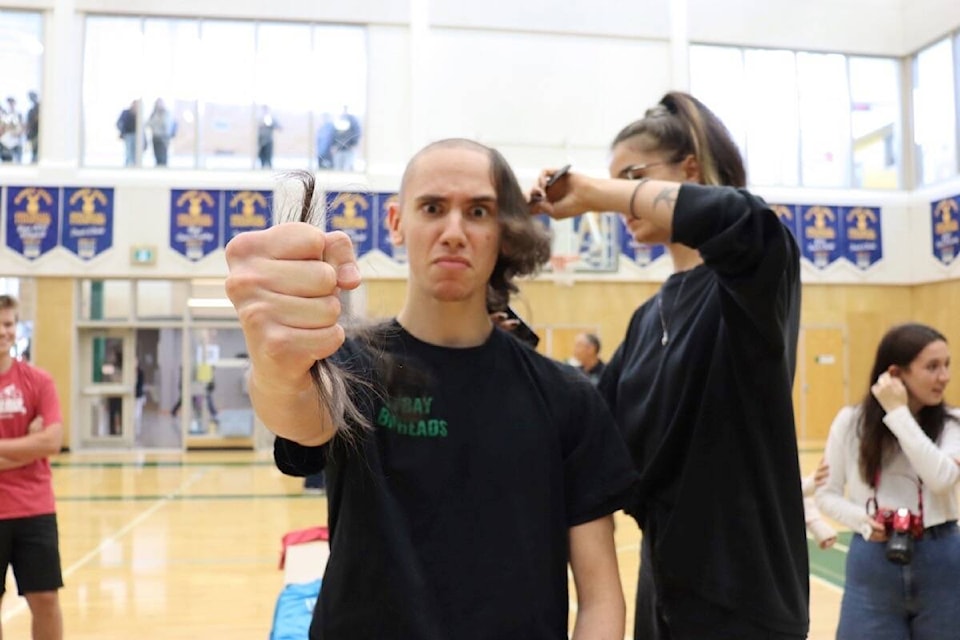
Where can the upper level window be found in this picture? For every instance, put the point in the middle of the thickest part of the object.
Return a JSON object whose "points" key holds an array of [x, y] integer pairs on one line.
{"points": [[804, 119], [219, 94], [935, 112], [21, 58]]}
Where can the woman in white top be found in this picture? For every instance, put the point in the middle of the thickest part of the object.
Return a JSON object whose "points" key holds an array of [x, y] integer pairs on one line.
{"points": [[897, 452]]}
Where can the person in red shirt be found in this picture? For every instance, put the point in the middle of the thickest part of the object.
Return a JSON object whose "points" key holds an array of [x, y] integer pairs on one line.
{"points": [[31, 430]]}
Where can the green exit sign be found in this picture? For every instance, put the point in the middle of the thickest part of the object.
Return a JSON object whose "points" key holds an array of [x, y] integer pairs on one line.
{"points": [[143, 255]]}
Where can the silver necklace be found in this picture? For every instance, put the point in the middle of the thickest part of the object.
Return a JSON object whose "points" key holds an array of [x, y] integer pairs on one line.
{"points": [[664, 326]]}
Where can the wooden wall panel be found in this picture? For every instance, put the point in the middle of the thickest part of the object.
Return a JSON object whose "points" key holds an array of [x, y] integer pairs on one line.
{"points": [[53, 339]]}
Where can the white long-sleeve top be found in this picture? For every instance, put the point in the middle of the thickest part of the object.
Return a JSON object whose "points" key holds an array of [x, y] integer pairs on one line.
{"points": [[917, 458]]}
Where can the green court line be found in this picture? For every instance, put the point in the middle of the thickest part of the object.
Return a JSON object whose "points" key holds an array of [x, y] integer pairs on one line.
{"points": [[830, 564]]}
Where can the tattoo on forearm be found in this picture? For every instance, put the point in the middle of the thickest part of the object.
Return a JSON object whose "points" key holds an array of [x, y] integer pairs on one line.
{"points": [[668, 196]]}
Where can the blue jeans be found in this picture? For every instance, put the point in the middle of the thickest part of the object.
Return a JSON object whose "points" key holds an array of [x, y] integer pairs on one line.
{"points": [[918, 601]]}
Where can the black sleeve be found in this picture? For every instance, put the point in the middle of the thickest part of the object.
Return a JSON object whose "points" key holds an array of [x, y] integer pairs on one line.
{"points": [[611, 376], [754, 255], [598, 472], [294, 459]]}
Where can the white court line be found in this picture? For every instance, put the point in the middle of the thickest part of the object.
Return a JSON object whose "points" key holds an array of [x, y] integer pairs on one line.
{"points": [[836, 545], [21, 606], [826, 583]]}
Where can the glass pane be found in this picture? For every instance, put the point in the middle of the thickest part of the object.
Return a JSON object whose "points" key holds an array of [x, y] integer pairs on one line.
{"points": [[340, 57], [770, 108], [170, 53], [21, 58], [112, 59], [716, 79], [284, 99], [219, 403], [935, 113], [227, 118], [824, 119], [875, 122], [161, 299], [208, 300], [105, 300]]}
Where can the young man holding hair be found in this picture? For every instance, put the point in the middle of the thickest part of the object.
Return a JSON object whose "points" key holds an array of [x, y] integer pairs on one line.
{"points": [[465, 470]]}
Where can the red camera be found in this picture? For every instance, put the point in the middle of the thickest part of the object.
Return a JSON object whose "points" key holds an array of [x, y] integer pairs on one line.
{"points": [[903, 527]]}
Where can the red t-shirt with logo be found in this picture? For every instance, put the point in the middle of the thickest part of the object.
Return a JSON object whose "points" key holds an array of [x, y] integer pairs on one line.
{"points": [[26, 392]]}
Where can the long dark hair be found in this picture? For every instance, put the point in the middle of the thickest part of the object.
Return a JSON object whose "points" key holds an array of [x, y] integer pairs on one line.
{"points": [[899, 347], [680, 125]]}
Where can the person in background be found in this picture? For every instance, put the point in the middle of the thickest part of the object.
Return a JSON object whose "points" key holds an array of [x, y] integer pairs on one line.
{"points": [[898, 449], [266, 125], [127, 126], [30, 432], [586, 351], [162, 130], [11, 133], [346, 137], [33, 127]]}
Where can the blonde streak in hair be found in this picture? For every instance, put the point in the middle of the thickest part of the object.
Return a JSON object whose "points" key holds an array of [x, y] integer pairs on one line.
{"points": [[330, 381], [708, 164]]}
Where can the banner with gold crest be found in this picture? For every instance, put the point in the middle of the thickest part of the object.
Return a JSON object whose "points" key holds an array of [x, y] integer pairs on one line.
{"points": [[195, 222], [32, 220], [862, 237], [247, 211], [946, 228], [352, 213], [789, 215], [87, 223], [820, 238]]}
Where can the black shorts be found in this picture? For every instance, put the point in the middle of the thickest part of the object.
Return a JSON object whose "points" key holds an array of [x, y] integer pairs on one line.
{"points": [[32, 547]]}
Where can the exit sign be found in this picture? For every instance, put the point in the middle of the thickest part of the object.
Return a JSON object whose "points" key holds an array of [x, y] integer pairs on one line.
{"points": [[143, 255]]}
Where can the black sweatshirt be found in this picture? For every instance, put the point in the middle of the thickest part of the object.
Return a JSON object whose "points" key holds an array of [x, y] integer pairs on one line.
{"points": [[708, 417]]}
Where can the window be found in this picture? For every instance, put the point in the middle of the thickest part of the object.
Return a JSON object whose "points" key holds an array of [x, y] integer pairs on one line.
{"points": [[21, 58], [717, 78], [935, 113], [875, 122], [235, 94], [805, 119], [824, 120]]}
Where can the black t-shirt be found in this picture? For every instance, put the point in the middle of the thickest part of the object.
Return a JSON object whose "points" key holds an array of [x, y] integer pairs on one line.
{"points": [[450, 518], [595, 373], [708, 417]]}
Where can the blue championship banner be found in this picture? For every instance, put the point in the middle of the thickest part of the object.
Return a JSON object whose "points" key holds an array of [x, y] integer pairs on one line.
{"points": [[863, 240], [596, 241], [382, 240], [820, 237], [195, 217], [32, 220], [789, 216], [641, 253], [946, 228], [247, 211], [353, 214], [87, 223]]}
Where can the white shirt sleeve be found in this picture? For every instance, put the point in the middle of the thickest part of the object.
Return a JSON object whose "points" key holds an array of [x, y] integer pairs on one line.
{"points": [[841, 455], [936, 465]]}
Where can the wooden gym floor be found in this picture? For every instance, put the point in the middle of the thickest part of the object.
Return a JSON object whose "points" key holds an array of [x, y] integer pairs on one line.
{"points": [[181, 546]]}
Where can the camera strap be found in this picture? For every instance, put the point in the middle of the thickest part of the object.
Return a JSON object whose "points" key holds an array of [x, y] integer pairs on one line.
{"points": [[873, 501]]}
